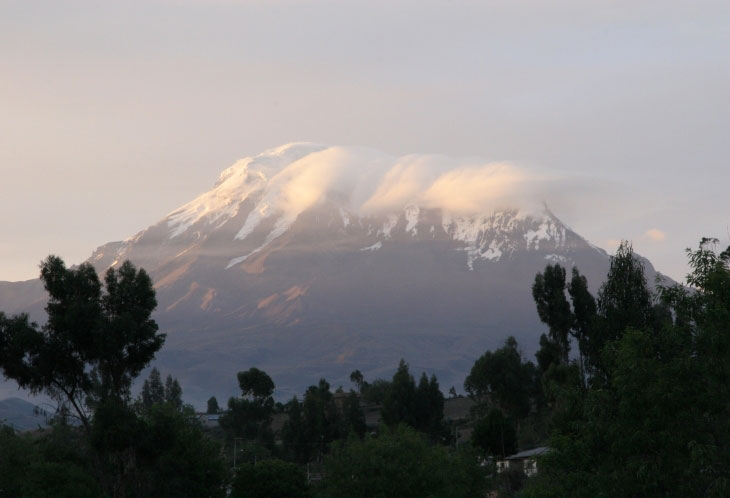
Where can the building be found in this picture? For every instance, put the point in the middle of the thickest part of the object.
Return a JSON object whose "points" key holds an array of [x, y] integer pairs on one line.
{"points": [[526, 461]]}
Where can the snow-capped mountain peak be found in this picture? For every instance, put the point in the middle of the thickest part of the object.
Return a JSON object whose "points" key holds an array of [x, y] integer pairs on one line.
{"points": [[482, 206]]}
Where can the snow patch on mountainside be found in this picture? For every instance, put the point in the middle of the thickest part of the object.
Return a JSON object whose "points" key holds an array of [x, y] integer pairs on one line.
{"points": [[491, 209], [411, 214], [388, 225], [374, 247], [289, 179], [234, 185]]}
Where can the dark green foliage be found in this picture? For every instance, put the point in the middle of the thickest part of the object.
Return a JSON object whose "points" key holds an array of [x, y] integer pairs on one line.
{"points": [[306, 434], [249, 417], [564, 321], [495, 434], [658, 423], [213, 405], [357, 378], [175, 458], [549, 354], [428, 410], [45, 466], [375, 392], [624, 300], [399, 402], [153, 391], [321, 418], [255, 384], [503, 380], [353, 418], [553, 307], [96, 340], [421, 407], [400, 462], [173, 392], [270, 479], [294, 434], [318, 420]]}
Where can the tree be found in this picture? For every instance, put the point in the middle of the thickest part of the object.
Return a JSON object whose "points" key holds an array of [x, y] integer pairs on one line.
{"points": [[353, 417], [495, 434], [624, 300], [584, 315], [270, 479], [375, 392], [357, 378], [322, 420], [294, 435], [658, 422], [45, 464], [97, 339], [399, 462], [428, 409], [421, 407], [553, 307], [213, 405], [153, 391], [501, 379], [316, 422], [250, 415], [256, 385], [173, 392], [400, 398]]}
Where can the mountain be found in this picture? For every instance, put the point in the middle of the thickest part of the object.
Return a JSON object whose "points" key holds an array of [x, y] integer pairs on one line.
{"points": [[310, 261], [21, 415]]}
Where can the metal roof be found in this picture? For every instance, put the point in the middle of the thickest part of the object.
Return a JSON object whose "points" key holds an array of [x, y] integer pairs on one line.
{"points": [[528, 453]]}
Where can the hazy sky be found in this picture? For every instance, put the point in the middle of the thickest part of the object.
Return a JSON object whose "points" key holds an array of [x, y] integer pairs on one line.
{"points": [[112, 114]]}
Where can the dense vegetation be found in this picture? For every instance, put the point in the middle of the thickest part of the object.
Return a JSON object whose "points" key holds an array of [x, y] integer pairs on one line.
{"points": [[630, 391]]}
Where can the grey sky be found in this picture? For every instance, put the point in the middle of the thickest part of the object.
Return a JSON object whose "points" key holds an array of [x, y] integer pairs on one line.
{"points": [[112, 114]]}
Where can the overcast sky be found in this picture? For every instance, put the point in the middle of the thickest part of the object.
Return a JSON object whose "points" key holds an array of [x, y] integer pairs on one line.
{"points": [[112, 114]]}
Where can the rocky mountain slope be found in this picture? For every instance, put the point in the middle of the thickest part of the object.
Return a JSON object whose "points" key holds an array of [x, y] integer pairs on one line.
{"points": [[310, 261]]}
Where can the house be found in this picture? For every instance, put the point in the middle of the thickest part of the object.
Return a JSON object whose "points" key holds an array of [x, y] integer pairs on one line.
{"points": [[526, 461], [209, 420]]}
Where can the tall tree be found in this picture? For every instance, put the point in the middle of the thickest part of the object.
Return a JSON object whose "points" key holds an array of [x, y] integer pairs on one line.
{"points": [[495, 434], [213, 405], [400, 397], [357, 378], [658, 423], [584, 315], [420, 406], [428, 410], [624, 299], [250, 415], [553, 307], [173, 392], [97, 339], [294, 434], [153, 391], [501, 379]]}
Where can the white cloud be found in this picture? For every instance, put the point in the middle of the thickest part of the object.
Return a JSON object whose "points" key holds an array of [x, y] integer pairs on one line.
{"points": [[372, 182]]}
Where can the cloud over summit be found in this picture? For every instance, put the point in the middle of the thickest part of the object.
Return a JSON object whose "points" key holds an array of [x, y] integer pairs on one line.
{"points": [[372, 182]]}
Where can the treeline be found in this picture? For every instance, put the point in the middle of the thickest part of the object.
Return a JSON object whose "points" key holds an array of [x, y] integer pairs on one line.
{"points": [[326, 433], [629, 391], [643, 409]]}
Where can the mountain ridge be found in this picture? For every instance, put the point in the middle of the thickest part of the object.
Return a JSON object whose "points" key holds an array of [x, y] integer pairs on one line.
{"points": [[306, 271]]}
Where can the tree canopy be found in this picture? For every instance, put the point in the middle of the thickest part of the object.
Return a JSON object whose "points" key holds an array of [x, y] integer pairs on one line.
{"points": [[97, 339]]}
